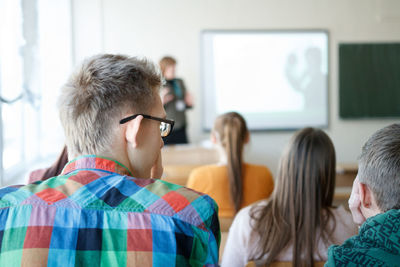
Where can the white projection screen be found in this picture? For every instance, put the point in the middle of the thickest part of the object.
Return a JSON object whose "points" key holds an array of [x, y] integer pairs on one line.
{"points": [[278, 80]]}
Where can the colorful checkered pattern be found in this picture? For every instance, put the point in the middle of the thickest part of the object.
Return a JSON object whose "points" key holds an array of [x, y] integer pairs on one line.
{"points": [[95, 214]]}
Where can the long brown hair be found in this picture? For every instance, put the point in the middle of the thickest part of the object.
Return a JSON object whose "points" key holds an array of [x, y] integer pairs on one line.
{"points": [[300, 203], [232, 133]]}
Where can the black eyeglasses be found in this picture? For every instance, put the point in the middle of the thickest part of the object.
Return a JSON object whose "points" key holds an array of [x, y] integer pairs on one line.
{"points": [[166, 126]]}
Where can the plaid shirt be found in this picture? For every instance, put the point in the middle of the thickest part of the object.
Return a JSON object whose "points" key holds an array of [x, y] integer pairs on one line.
{"points": [[95, 214]]}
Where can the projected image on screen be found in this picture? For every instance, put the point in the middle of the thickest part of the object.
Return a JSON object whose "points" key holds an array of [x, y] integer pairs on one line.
{"points": [[277, 80]]}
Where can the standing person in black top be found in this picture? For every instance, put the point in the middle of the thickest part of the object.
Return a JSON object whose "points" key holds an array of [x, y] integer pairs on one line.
{"points": [[176, 101]]}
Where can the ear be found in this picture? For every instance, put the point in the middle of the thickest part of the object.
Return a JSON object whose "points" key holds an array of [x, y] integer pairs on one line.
{"points": [[365, 195], [132, 131]]}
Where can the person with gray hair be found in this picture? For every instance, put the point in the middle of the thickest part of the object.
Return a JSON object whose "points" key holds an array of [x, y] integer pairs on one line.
{"points": [[108, 207], [375, 204]]}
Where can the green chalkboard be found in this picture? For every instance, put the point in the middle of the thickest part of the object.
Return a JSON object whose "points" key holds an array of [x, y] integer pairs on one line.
{"points": [[369, 80]]}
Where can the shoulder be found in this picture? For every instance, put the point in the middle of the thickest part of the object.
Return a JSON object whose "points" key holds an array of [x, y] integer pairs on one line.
{"points": [[392, 215], [259, 173], [13, 195], [178, 201], [243, 219], [258, 168], [18, 195], [342, 255], [373, 244], [200, 170]]}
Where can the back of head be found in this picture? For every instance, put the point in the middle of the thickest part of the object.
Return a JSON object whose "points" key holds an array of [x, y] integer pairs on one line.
{"points": [[379, 166], [231, 132], [96, 96], [307, 171], [165, 62], [304, 188]]}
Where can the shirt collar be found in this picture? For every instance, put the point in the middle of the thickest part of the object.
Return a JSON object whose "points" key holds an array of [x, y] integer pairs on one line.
{"points": [[95, 162]]}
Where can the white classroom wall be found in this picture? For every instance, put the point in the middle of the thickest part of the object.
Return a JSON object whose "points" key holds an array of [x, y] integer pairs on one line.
{"points": [[154, 28]]}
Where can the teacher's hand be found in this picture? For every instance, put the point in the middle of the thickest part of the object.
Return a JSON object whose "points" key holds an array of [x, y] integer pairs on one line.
{"points": [[166, 96]]}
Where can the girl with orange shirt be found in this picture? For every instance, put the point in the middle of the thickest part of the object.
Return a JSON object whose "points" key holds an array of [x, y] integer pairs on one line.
{"points": [[232, 183]]}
